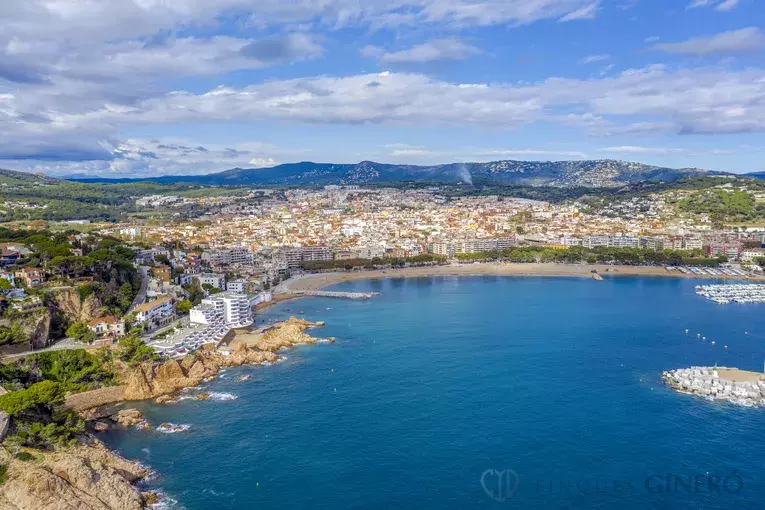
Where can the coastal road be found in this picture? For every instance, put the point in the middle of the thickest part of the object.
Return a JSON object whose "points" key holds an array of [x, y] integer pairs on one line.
{"points": [[60, 345], [141, 296]]}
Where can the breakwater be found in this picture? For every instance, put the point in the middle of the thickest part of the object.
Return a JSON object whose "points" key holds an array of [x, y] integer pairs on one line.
{"points": [[719, 383], [333, 294]]}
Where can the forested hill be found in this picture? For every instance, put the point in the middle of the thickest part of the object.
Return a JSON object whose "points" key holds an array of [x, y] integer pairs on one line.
{"points": [[588, 173]]}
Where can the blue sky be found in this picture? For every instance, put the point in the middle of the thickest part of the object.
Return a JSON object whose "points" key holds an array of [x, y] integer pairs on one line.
{"points": [[149, 87]]}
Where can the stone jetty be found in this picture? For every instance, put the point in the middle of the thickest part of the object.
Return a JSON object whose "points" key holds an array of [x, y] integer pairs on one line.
{"points": [[333, 294], [719, 383]]}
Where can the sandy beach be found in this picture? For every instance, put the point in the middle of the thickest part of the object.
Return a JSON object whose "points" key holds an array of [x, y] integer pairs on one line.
{"points": [[321, 280]]}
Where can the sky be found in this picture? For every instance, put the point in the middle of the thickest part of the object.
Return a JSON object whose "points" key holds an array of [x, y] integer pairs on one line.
{"points": [[138, 88]]}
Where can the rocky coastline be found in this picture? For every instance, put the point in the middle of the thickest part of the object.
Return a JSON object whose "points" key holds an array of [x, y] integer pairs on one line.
{"points": [[90, 476], [719, 383], [86, 476], [158, 380]]}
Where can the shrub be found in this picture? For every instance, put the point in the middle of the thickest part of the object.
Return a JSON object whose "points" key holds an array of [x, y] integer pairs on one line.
{"points": [[134, 351], [45, 393], [80, 331], [75, 369]]}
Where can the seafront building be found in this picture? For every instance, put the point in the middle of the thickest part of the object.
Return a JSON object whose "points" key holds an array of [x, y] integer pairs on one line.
{"points": [[154, 313], [209, 322]]}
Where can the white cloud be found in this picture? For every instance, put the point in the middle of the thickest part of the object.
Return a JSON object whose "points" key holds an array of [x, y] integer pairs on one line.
{"points": [[36, 124], [594, 58], [168, 156], [677, 151], [585, 12], [727, 5], [530, 153], [683, 100], [734, 41], [412, 153], [720, 5], [430, 51]]}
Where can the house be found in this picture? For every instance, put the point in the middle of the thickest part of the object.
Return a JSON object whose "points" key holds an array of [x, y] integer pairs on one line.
{"points": [[161, 273], [27, 304], [154, 311], [16, 247], [108, 325], [9, 257], [31, 276], [9, 277]]}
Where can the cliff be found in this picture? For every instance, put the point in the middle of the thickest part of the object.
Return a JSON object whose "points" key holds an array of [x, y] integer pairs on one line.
{"points": [[152, 380], [87, 476], [68, 301], [39, 330]]}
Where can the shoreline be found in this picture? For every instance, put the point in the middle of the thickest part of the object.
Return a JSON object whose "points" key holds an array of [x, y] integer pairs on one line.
{"points": [[318, 281]]}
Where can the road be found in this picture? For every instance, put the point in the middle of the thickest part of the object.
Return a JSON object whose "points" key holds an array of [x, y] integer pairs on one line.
{"points": [[141, 296], [60, 345]]}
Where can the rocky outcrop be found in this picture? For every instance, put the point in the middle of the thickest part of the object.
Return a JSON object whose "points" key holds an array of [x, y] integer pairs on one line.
{"points": [[87, 476], [719, 383], [39, 336], [128, 417], [68, 301], [287, 334], [153, 380]]}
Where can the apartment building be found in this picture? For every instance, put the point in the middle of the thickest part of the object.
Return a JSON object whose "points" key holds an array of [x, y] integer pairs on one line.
{"points": [[227, 257], [154, 311], [216, 280]]}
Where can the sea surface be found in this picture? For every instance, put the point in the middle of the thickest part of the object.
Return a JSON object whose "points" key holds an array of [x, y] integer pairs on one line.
{"points": [[476, 392]]}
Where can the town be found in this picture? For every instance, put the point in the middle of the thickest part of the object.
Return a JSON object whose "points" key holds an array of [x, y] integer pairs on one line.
{"points": [[185, 282]]}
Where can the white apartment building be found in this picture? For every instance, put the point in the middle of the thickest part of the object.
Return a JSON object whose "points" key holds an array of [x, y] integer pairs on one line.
{"points": [[238, 286], [228, 257], [216, 280], [296, 256], [229, 308], [595, 241], [154, 311]]}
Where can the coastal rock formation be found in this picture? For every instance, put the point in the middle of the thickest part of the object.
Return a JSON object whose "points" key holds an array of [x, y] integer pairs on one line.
{"points": [[165, 399], [719, 383], [153, 380], [128, 417], [68, 301], [86, 476], [39, 332], [287, 334], [159, 380]]}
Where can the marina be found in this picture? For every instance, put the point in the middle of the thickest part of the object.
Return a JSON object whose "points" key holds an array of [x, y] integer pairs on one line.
{"points": [[736, 293]]}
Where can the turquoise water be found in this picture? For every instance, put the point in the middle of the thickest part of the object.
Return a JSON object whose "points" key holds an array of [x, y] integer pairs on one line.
{"points": [[441, 387]]}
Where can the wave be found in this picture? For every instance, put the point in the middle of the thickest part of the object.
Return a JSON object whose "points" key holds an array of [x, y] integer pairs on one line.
{"points": [[165, 502], [221, 396], [172, 428]]}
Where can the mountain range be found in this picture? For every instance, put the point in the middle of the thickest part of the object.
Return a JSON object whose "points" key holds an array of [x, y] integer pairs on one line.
{"points": [[588, 173], [564, 174]]}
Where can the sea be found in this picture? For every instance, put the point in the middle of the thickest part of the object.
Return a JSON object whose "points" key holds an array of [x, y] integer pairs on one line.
{"points": [[475, 392]]}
